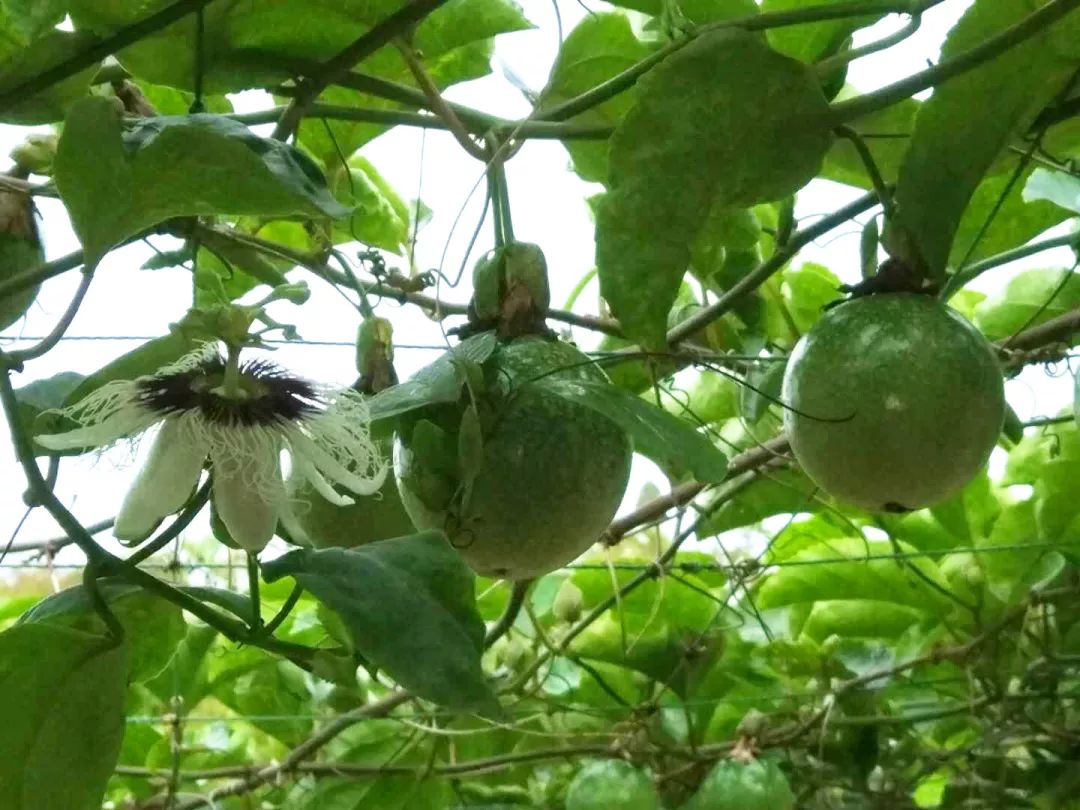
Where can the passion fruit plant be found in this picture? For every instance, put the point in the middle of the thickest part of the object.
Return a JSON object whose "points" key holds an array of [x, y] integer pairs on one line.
{"points": [[850, 579]]}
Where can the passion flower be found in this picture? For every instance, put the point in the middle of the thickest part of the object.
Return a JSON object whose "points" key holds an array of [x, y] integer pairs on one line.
{"points": [[241, 428]]}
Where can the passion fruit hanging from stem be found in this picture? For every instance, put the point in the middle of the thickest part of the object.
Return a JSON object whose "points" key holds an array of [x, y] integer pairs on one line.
{"points": [[893, 401], [547, 476]]}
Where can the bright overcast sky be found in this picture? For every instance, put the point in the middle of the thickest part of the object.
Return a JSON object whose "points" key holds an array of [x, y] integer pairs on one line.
{"points": [[549, 209]]}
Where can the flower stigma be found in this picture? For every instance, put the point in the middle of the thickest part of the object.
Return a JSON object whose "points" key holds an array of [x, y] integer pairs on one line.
{"points": [[240, 422]]}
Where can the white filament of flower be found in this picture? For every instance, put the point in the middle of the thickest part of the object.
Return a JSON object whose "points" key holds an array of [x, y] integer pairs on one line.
{"points": [[324, 430]]}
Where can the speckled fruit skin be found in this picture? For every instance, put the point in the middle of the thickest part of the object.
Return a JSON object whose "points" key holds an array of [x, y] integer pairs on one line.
{"points": [[611, 785], [733, 785], [918, 392], [553, 472], [371, 518]]}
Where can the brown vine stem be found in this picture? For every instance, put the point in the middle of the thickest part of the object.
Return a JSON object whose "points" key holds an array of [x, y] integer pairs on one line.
{"points": [[476, 766], [1055, 330], [339, 65], [95, 53], [308, 748], [760, 274], [373, 287]]}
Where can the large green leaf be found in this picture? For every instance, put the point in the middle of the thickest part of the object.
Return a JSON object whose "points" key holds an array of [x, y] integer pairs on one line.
{"points": [[700, 137], [958, 136], [781, 492], [600, 46], [671, 442], [852, 568], [140, 361], [811, 41], [62, 700], [439, 382], [857, 618], [1060, 188], [153, 628], [116, 183], [27, 61], [410, 607], [381, 218], [693, 11], [38, 401], [1030, 298]]}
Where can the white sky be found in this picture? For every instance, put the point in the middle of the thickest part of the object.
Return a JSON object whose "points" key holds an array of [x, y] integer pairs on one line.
{"points": [[549, 209]]}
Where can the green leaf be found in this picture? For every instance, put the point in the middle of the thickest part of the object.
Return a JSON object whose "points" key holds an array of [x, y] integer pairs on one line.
{"points": [[1060, 188], [958, 136], [807, 291], [600, 46], [693, 11], [153, 628], [439, 382], [62, 700], [1012, 573], [699, 137], [765, 379], [410, 607], [782, 492], [855, 618], [456, 42], [1016, 218], [812, 41], [895, 124], [23, 21], [1030, 298], [380, 217], [852, 568], [116, 184], [25, 62], [143, 360], [672, 443], [37, 403]]}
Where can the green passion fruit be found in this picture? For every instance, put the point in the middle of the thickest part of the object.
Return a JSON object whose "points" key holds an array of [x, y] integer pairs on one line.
{"points": [[732, 785], [376, 517], [550, 476], [607, 784], [894, 401]]}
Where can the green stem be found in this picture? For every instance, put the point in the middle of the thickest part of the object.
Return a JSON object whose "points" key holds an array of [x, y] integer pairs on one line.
{"points": [[198, 501], [827, 66], [286, 609], [402, 20], [253, 589], [545, 130], [98, 603], [759, 275], [1033, 24], [969, 274], [231, 382]]}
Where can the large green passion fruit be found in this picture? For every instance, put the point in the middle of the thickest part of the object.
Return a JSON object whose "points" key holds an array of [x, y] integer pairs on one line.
{"points": [[551, 472], [895, 401]]}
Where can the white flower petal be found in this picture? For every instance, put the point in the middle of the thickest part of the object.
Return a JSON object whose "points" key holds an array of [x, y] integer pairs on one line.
{"points": [[333, 469], [307, 471], [248, 490], [166, 481], [120, 424]]}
